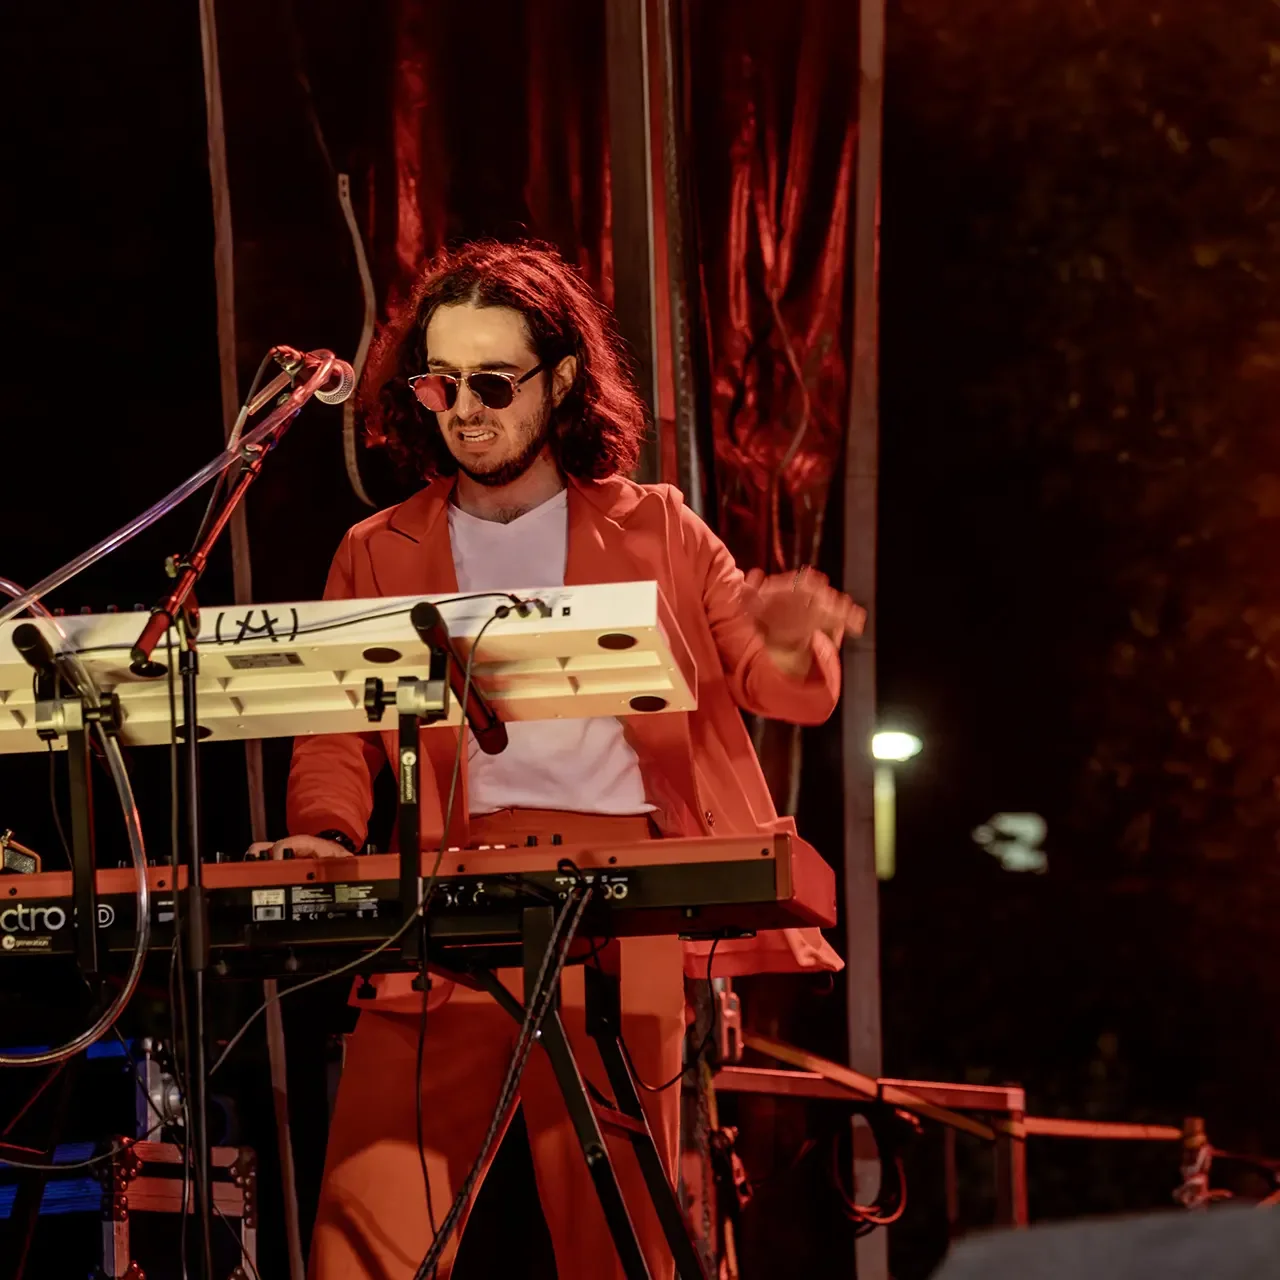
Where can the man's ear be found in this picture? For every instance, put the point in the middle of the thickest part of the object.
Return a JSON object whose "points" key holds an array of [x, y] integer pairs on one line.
{"points": [[562, 377]]}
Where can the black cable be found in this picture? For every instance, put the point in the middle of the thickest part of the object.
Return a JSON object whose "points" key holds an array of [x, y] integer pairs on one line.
{"points": [[537, 1005], [180, 1080], [162, 1122], [396, 613], [417, 1089], [350, 967], [50, 1167], [358, 618], [240, 1243], [419, 917], [60, 1168], [361, 960], [702, 1048], [891, 1199], [142, 1084], [54, 1072], [177, 972], [421, 1051], [220, 484], [53, 804], [422, 944]]}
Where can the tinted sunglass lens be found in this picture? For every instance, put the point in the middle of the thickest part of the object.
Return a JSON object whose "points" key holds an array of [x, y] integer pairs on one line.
{"points": [[491, 389], [436, 392]]}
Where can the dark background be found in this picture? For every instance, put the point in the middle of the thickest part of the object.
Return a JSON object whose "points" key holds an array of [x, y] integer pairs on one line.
{"points": [[1078, 606]]}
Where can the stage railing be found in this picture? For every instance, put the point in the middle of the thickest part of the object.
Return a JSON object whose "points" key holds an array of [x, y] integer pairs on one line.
{"points": [[1003, 1123]]}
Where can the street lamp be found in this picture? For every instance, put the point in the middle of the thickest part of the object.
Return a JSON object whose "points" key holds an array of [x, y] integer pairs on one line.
{"points": [[889, 747]]}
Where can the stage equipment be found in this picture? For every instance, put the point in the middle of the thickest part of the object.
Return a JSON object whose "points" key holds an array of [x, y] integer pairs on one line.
{"points": [[16, 858], [300, 668], [303, 915], [143, 1177], [72, 701], [55, 715], [146, 1177], [324, 668], [259, 441], [544, 653]]}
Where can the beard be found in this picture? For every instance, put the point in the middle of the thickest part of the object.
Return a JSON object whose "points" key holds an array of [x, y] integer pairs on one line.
{"points": [[533, 433]]}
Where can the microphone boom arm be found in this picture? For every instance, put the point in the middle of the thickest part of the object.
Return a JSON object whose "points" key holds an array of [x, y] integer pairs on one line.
{"points": [[253, 449], [126, 533]]}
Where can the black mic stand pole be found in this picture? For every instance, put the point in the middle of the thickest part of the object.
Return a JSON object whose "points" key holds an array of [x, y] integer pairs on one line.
{"points": [[178, 607], [193, 923]]}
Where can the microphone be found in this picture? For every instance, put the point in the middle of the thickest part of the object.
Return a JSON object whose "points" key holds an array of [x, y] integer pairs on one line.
{"points": [[35, 649], [340, 383], [490, 732], [37, 653]]}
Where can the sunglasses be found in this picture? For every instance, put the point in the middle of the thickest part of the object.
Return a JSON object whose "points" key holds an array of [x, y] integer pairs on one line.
{"points": [[439, 391]]}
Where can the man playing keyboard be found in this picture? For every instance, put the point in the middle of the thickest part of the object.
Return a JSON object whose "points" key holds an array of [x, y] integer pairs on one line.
{"points": [[501, 385]]}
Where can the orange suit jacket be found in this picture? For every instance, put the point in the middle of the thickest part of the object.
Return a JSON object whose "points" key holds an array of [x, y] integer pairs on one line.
{"points": [[699, 767]]}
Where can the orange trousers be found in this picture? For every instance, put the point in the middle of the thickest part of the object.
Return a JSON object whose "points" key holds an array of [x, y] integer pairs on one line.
{"points": [[372, 1218]]}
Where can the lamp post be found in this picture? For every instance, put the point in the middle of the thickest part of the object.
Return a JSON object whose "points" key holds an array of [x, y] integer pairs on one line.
{"points": [[889, 747]]}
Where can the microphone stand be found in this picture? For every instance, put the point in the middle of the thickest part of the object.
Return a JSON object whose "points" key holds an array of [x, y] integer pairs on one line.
{"points": [[179, 608]]}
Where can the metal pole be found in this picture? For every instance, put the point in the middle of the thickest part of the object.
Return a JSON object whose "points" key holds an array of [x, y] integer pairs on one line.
{"points": [[861, 902], [223, 248], [682, 279], [886, 820], [631, 202], [197, 961], [224, 282]]}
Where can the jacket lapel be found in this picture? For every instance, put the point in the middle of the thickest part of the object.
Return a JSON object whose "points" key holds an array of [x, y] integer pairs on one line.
{"points": [[412, 554], [596, 549]]}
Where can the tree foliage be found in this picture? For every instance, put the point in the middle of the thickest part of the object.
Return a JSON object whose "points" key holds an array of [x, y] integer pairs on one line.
{"points": [[1128, 244]]}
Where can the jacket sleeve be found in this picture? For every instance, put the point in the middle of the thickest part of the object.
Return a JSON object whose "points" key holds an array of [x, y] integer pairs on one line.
{"points": [[331, 776], [755, 684]]}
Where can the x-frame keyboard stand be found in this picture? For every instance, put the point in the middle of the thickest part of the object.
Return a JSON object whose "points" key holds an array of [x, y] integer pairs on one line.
{"points": [[591, 1119], [419, 702]]}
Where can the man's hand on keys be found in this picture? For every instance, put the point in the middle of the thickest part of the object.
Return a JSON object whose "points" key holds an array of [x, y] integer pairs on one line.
{"points": [[302, 846]]}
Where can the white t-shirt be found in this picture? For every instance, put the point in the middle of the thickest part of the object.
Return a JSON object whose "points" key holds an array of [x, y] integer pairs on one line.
{"points": [[586, 766]]}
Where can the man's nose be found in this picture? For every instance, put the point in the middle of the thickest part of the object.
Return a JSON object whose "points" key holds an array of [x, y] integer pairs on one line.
{"points": [[467, 403]]}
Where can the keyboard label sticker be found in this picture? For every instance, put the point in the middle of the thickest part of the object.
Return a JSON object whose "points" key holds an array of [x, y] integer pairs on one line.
{"points": [[262, 661], [332, 901], [268, 904]]}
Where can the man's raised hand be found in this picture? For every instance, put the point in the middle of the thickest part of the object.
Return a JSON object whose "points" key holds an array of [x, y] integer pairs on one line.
{"points": [[789, 608]]}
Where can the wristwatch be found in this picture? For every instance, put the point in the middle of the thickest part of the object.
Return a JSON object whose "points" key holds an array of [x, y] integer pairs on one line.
{"points": [[338, 837]]}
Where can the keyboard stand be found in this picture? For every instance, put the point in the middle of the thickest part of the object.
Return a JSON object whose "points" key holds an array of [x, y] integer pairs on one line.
{"points": [[591, 1118]]}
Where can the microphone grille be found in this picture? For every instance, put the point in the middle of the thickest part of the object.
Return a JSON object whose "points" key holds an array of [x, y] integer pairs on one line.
{"points": [[336, 393]]}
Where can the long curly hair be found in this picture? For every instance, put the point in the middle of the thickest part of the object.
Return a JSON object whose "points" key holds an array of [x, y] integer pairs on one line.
{"points": [[597, 427]]}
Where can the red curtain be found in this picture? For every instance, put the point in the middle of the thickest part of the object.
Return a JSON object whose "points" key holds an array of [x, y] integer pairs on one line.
{"points": [[498, 127], [459, 118], [774, 128]]}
